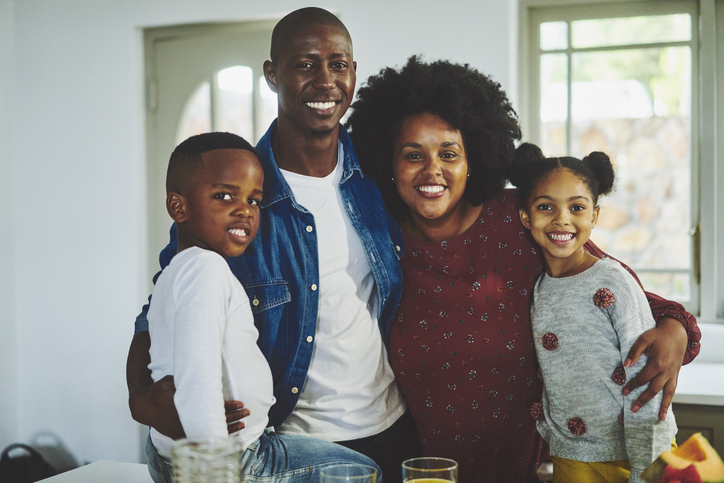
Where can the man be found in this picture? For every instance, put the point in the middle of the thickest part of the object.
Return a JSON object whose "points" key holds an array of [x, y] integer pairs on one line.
{"points": [[322, 273]]}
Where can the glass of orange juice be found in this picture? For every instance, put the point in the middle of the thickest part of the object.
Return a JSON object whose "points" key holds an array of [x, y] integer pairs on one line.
{"points": [[430, 470]]}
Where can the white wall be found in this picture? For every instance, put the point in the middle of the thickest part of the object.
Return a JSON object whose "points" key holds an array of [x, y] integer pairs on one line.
{"points": [[476, 33], [8, 346], [72, 187]]}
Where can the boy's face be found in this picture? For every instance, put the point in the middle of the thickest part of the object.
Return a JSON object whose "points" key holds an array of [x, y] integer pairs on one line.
{"points": [[221, 207], [314, 76]]}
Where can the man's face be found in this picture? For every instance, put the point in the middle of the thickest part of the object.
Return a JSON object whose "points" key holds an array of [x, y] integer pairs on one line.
{"points": [[314, 77]]}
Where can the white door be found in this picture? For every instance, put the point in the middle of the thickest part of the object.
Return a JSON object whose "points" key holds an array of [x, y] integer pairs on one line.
{"points": [[200, 78]]}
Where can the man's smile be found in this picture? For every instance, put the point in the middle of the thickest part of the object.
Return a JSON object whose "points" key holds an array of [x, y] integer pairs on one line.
{"points": [[324, 106]]}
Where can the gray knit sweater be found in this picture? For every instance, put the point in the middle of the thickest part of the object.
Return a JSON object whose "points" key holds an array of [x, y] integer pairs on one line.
{"points": [[583, 328]]}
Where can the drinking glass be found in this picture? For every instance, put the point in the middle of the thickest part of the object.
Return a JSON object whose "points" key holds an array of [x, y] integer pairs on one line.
{"points": [[214, 461], [429, 470], [349, 473]]}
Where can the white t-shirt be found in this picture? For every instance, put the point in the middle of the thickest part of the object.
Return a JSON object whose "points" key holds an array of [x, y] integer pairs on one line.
{"points": [[350, 391], [202, 332]]}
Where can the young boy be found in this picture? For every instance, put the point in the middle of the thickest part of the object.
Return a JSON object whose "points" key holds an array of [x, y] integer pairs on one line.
{"points": [[200, 321]]}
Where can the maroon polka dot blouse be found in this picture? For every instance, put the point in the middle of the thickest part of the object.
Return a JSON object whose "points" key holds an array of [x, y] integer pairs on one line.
{"points": [[461, 345]]}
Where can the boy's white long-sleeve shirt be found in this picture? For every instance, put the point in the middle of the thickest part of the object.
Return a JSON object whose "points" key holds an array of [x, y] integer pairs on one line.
{"points": [[583, 328], [198, 312]]}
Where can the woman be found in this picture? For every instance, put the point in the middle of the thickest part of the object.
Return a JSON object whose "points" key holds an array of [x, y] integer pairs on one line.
{"points": [[438, 139]]}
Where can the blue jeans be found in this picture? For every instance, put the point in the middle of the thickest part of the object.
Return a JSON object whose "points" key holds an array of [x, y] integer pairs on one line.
{"points": [[275, 458]]}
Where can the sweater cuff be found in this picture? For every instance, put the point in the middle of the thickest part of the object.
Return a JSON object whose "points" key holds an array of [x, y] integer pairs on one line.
{"points": [[636, 475], [664, 308]]}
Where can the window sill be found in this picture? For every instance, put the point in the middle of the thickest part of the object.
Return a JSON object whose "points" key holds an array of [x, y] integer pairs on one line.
{"points": [[702, 381]]}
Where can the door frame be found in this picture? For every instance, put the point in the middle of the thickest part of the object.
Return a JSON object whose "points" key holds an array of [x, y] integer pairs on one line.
{"points": [[158, 148]]}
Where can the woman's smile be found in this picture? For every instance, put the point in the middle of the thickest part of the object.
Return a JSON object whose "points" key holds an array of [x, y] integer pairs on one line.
{"points": [[431, 190]]}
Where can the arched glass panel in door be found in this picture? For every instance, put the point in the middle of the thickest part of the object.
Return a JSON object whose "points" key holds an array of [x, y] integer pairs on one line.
{"points": [[228, 103]]}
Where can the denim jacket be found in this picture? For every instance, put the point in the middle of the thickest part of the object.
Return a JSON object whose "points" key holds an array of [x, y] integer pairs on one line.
{"points": [[280, 269]]}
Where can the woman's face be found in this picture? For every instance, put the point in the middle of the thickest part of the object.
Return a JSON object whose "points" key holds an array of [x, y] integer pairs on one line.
{"points": [[430, 168]]}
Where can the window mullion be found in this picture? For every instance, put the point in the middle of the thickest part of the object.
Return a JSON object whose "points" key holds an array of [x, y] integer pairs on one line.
{"points": [[569, 88], [707, 211]]}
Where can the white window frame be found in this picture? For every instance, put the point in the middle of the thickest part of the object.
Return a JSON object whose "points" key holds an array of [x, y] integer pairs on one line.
{"points": [[707, 125]]}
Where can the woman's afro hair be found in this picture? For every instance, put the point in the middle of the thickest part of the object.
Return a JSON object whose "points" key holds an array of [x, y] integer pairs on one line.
{"points": [[468, 100]]}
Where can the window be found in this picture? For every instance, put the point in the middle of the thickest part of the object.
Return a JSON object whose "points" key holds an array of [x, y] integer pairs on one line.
{"points": [[200, 78], [233, 110], [636, 79]]}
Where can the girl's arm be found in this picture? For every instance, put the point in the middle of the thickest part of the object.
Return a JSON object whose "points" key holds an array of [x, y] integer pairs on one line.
{"points": [[645, 435], [674, 341]]}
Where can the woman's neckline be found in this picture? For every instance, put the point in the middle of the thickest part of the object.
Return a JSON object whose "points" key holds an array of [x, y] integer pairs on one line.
{"points": [[435, 234]]}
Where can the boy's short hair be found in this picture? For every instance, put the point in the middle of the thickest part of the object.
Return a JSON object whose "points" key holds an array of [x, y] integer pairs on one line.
{"points": [[186, 160]]}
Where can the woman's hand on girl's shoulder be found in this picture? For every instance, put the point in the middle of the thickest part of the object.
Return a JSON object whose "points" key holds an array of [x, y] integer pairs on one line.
{"points": [[664, 346]]}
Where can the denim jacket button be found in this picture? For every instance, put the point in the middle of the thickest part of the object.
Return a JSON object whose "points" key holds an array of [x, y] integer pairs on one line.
{"points": [[314, 287], [309, 229], [310, 338], [295, 390], [255, 302], [397, 247]]}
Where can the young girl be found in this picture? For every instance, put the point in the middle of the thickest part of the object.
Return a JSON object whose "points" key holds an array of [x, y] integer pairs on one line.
{"points": [[586, 314]]}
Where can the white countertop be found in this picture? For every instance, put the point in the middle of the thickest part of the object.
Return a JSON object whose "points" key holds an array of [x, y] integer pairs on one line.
{"points": [[104, 472], [701, 383]]}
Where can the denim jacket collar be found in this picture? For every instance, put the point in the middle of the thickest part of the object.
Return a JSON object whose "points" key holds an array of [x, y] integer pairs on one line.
{"points": [[276, 187]]}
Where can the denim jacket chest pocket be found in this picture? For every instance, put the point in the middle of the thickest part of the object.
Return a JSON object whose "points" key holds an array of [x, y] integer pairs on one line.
{"points": [[268, 300], [267, 294]]}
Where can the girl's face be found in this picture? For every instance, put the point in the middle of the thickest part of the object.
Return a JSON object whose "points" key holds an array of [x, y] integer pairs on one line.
{"points": [[560, 214], [430, 168]]}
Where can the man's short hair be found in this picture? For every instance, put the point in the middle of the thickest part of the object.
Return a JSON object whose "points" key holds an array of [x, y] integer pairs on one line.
{"points": [[186, 160], [298, 19]]}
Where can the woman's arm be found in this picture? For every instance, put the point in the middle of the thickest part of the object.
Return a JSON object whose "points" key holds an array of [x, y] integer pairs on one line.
{"points": [[674, 341], [664, 347]]}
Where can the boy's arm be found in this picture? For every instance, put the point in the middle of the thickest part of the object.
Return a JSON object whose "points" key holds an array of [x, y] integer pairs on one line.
{"points": [[152, 403], [674, 340], [201, 296]]}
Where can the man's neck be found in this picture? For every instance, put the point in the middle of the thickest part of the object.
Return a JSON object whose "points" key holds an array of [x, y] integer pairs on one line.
{"points": [[309, 154]]}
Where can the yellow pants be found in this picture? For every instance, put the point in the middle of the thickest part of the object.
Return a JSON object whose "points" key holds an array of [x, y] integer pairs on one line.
{"points": [[571, 471]]}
